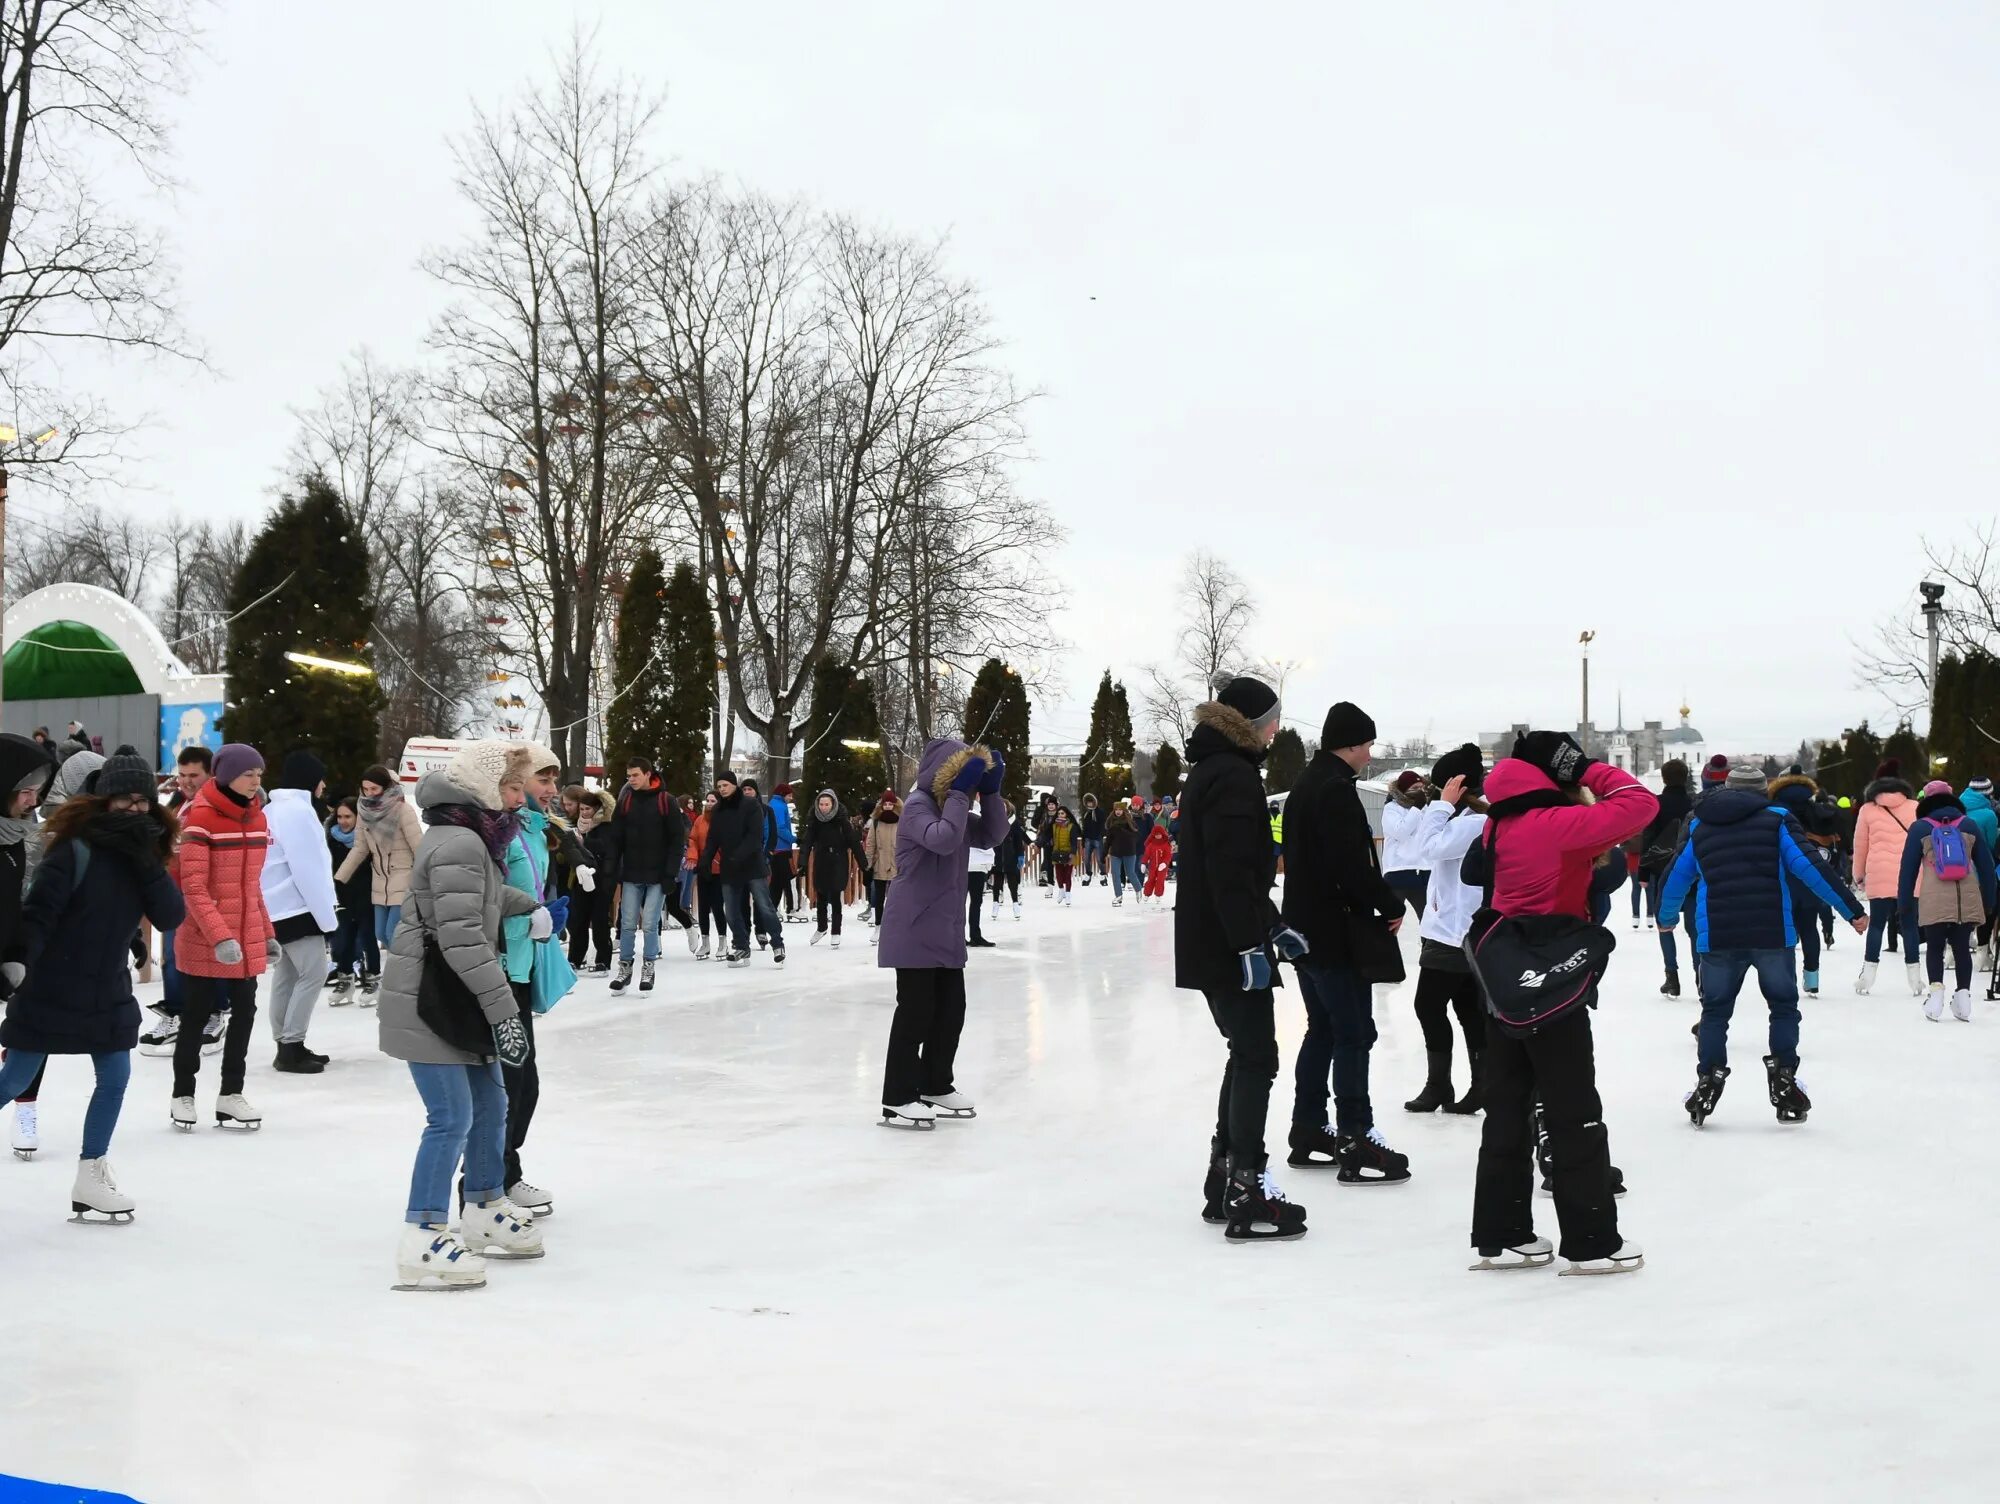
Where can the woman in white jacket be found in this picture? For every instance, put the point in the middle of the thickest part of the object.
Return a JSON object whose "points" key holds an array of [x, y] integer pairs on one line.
{"points": [[1446, 829], [1402, 818]]}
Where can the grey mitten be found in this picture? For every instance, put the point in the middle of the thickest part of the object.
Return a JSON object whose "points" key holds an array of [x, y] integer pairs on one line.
{"points": [[229, 953], [272, 950], [510, 1043]]}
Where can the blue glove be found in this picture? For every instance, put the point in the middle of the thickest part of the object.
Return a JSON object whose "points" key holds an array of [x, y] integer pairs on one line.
{"points": [[1256, 970], [1288, 943], [969, 777], [995, 772], [558, 914], [510, 1043]]}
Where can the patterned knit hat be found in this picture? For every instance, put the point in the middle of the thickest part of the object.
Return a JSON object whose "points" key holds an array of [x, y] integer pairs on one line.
{"points": [[478, 767]]}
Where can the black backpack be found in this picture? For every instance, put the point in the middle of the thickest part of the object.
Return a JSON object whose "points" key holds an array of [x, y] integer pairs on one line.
{"points": [[1533, 969], [1665, 846]]}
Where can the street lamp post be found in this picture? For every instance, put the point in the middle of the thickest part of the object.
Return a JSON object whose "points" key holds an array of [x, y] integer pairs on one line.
{"points": [[1586, 640], [1933, 594]]}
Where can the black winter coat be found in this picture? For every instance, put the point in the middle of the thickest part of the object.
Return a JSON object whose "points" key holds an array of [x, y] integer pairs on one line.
{"points": [[648, 836], [1227, 864], [1674, 808], [603, 848], [1332, 868], [829, 849], [738, 828], [76, 942], [357, 894], [1092, 823], [1121, 834]]}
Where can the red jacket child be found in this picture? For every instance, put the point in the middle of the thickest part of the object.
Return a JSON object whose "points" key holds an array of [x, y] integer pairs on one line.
{"points": [[1158, 860], [223, 841]]}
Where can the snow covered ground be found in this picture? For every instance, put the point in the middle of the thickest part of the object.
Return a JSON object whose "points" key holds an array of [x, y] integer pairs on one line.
{"points": [[754, 1293]]}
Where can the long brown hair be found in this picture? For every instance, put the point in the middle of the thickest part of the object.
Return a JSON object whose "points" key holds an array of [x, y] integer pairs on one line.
{"points": [[73, 815]]}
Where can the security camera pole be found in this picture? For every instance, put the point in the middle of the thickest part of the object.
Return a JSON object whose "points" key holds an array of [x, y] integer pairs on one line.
{"points": [[1933, 594]]}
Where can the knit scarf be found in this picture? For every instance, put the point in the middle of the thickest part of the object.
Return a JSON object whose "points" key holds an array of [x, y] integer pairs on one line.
{"points": [[14, 832], [496, 827], [382, 811], [345, 837]]}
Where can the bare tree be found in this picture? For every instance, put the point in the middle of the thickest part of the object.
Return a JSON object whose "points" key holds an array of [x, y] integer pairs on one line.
{"points": [[86, 545], [538, 410], [1216, 612], [1898, 662], [201, 562], [77, 77], [360, 434], [426, 621]]}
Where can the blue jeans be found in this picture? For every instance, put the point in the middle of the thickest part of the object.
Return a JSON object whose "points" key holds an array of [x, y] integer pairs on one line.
{"points": [[387, 917], [465, 1109], [1093, 856], [1667, 949], [1882, 913], [1124, 870], [639, 903], [114, 1071], [1340, 1030], [1722, 973], [736, 901]]}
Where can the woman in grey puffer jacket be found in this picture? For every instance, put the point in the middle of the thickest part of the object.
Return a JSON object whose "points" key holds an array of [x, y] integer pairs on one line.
{"points": [[458, 895]]}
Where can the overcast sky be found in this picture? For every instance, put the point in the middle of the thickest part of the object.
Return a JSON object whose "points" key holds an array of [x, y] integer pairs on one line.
{"points": [[1457, 328]]}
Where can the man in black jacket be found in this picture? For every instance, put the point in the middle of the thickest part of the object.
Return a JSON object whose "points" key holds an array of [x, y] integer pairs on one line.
{"points": [[1227, 942], [739, 829], [648, 836], [1336, 897]]}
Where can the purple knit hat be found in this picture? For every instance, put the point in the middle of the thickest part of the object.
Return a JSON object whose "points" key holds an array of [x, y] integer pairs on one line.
{"points": [[234, 760]]}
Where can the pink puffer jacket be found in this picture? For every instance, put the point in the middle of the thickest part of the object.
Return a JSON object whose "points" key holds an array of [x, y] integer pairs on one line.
{"points": [[1879, 833]]}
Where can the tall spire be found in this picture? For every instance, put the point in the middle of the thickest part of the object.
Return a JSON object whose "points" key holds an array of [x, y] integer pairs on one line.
{"points": [[1621, 711]]}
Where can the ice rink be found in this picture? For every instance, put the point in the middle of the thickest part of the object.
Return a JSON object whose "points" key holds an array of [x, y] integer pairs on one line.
{"points": [[752, 1292]]}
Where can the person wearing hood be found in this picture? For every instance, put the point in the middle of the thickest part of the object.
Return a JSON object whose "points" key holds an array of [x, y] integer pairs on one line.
{"points": [[922, 932], [386, 841], [879, 846], [1451, 825], [25, 772], [1977, 801], [1228, 938], [457, 899], [1881, 828], [1338, 897], [66, 966], [1947, 880], [1797, 795], [1541, 843], [300, 898], [590, 902], [832, 852], [226, 941], [1408, 795], [739, 844], [1747, 854], [1659, 844]]}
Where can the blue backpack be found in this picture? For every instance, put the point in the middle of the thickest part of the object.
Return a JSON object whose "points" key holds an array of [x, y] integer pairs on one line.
{"points": [[1948, 856]]}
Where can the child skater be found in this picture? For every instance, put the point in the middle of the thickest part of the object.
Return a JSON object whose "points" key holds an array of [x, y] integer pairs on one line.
{"points": [[1159, 861]]}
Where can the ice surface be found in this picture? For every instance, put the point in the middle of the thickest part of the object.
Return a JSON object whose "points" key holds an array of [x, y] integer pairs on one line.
{"points": [[754, 1293]]}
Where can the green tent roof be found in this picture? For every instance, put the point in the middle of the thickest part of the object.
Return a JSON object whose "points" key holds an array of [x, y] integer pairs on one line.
{"points": [[66, 660]]}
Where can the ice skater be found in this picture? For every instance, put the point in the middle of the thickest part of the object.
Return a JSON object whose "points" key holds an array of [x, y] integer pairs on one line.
{"points": [[922, 933], [25, 771], [1159, 862], [1882, 825], [1452, 824], [1946, 878], [105, 870]]}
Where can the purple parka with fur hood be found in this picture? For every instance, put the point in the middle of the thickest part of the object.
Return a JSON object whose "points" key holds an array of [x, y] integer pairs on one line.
{"points": [[923, 921]]}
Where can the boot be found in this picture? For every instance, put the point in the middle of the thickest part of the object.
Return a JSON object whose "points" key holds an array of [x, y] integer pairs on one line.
{"points": [[1961, 1005], [293, 1060], [1214, 1203], [624, 978], [1866, 980], [1474, 1099], [1258, 1210], [1672, 986], [1914, 973], [1437, 1085]]}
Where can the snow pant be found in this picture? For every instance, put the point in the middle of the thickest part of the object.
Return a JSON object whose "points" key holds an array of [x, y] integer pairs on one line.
{"points": [[639, 907], [1247, 1021], [1557, 1064], [1442, 993], [523, 1083], [737, 899], [708, 889], [1156, 884], [387, 917], [33, 1091], [1883, 914], [1340, 1031], [465, 1117], [1063, 871], [1722, 974], [1412, 886], [975, 896], [878, 894], [295, 986], [354, 948], [923, 1036], [1124, 874], [589, 923], [114, 1073], [207, 995], [1959, 938]]}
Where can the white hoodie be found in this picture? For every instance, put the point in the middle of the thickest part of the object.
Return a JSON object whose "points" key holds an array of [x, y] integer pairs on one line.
{"points": [[1400, 824], [298, 869], [1440, 843]]}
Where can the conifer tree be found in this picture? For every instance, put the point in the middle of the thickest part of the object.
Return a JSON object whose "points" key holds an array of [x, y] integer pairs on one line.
{"points": [[687, 659], [1167, 772], [635, 721], [997, 714], [1286, 762], [843, 713]]}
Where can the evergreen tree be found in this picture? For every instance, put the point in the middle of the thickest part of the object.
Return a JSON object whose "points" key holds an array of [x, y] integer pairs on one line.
{"points": [[843, 711], [1772, 767], [999, 696], [1848, 766], [1908, 748], [1123, 744], [635, 722], [1167, 772], [1093, 776], [1286, 762], [318, 568], [687, 660]]}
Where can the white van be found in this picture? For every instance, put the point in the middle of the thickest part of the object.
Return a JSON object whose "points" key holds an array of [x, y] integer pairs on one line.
{"points": [[421, 755]]}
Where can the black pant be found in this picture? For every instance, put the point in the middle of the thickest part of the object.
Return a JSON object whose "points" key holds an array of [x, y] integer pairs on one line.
{"points": [[1558, 1065], [923, 1036], [975, 890], [524, 1086], [1806, 916], [590, 922], [1936, 938], [708, 898], [828, 904], [201, 996], [1442, 993], [878, 894], [781, 880], [1247, 1022], [1006, 875]]}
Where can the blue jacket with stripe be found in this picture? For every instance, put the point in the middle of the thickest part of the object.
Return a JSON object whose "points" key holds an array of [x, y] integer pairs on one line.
{"points": [[1744, 853]]}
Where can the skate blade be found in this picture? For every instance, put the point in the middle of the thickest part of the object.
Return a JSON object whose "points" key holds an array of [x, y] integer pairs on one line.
{"points": [[213, 1048], [184, 1127], [908, 1124], [340, 1002], [1361, 1180], [85, 1217], [157, 1051], [1245, 1240], [493, 1254], [240, 1125], [957, 1112], [438, 1289], [1313, 1164], [1632, 1268], [1495, 1266], [24, 1154], [540, 1213]]}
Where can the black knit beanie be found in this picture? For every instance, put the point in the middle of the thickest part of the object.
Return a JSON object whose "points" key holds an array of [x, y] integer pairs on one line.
{"points": [[302, 770], [1252, 699], [1465, 760], [1347, 725]]}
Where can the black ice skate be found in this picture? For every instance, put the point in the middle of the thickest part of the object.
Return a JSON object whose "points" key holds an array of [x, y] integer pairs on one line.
{"points": [[1367, 1159], [1214, 1200], [1786, 1094], [1314, 1148], [1671, 987], [624, 978], [1700, 1102], [1258, 1210]]}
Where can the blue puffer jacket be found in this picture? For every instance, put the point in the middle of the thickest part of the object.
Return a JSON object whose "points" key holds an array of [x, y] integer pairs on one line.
{"points": [[1742, 850], [1979, 810]]}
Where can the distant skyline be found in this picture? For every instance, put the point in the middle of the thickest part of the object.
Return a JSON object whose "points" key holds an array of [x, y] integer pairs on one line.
{"points": [[1457, 330]]}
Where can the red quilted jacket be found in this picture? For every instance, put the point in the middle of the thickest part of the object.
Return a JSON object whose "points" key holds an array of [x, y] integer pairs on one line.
{"points": [[222, 879]]}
